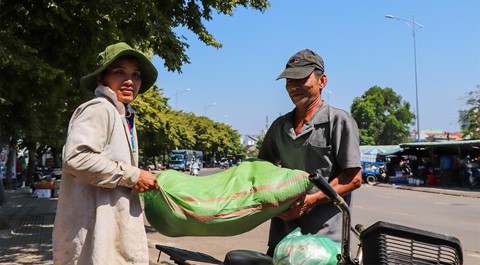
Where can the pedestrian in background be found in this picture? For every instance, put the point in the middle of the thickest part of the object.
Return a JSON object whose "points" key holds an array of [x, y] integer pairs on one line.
{"points": [[313, 137], [99, 217], [21, 171]]}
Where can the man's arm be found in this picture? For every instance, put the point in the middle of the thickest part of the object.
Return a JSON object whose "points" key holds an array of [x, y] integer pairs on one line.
{"points": [[347, 181], [268, 151]]}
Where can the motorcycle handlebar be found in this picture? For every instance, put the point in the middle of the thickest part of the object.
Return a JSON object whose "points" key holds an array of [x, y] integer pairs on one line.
{"points": [[323, 185]]}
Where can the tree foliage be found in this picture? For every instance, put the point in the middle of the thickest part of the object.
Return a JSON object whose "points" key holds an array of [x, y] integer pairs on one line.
{"points": [[382, 116], [161, 129], [47, 45], [470, 117]]}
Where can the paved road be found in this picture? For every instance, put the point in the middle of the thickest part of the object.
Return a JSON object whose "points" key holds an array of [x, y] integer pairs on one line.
{"points": [[28, 239], [452, 215]]}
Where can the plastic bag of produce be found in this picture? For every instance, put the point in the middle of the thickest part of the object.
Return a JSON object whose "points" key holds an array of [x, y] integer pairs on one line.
{"points": [[309, 249], [224, 204]]}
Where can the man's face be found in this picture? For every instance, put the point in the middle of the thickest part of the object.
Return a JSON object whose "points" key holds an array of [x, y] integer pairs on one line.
{"points": [[303, 92], [123, 77]]}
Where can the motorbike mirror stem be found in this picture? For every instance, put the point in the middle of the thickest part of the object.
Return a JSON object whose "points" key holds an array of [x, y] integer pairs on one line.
{"points": [[345, 257]]}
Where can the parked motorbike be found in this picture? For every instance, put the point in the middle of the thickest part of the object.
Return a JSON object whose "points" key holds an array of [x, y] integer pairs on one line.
{"points": [[223, 165], [382, 243]]}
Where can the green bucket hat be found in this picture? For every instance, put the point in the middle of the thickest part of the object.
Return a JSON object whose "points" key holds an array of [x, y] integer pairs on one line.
{"points": [[111, 54], [302, 64]]}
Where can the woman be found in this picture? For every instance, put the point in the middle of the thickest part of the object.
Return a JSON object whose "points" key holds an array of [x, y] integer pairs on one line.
{"points": [[99, 217]]}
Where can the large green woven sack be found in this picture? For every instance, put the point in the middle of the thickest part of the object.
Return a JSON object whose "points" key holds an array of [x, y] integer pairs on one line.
{"points": [[224, 204]]}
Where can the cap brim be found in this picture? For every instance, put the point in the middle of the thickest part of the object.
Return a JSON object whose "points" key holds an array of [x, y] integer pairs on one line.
{"points": [[148, 72], [296, 72]]}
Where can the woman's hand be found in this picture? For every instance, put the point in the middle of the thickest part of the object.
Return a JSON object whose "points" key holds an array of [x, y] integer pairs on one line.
{"points": [[146, 182]]}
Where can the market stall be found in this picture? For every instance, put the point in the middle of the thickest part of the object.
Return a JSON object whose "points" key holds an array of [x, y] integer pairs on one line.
{"points": [[437, 163]]}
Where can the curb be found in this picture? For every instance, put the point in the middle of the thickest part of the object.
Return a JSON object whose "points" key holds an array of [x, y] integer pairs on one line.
{"points": [[444, 191]]}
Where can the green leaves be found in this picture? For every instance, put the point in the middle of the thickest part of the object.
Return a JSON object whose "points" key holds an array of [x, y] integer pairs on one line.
{"points": [[470, 117], [47, 45], [161, 129], [382, 117]]}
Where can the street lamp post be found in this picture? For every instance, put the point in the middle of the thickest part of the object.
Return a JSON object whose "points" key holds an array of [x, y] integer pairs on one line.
{"points": [[414, 26], [328, 94], [176, 96], [208, 106]]}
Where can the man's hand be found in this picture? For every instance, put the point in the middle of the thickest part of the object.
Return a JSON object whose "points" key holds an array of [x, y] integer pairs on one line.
{"points": [[298, 208], [346, 182], [146, 182]]}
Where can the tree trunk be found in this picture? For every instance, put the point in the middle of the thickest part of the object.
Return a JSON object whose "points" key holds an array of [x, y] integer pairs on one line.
{"points": [[57, 157], [3, 199], [3, 196], [31, 164]]}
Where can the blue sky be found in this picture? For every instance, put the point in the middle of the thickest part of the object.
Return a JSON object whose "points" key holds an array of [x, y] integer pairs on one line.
{"points": [[361, 48]]}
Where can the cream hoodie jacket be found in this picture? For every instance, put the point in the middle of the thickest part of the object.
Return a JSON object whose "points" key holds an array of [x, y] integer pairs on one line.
{"points": [[99, 218]]}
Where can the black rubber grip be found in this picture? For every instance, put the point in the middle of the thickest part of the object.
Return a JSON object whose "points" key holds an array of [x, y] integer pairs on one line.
{"points": [[323, 185], [360, 228]]}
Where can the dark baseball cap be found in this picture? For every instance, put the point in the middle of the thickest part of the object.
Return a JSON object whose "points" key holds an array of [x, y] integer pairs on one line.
{"points": [[302, 64]]}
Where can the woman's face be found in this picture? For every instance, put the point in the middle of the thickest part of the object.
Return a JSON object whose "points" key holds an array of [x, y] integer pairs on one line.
{"points": [[124, 78]]}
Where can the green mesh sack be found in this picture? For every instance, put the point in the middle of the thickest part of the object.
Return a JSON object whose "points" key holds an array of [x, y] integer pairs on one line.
{"points": [[309, 249], [224, 204]]}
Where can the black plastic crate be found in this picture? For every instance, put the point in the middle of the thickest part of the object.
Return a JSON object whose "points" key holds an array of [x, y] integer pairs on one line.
{"points": [[392, 244]]}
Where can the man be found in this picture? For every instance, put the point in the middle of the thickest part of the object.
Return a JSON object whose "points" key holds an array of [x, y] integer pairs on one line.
{"points": [[194, 167], [99, 217], [312, 137]]}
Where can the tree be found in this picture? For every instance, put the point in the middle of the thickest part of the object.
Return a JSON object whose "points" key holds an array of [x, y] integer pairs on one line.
{"points": [[162, 129], [47, 45], [204, 136], [470, 118], [150, 111], [382, 116], [228, 142]]}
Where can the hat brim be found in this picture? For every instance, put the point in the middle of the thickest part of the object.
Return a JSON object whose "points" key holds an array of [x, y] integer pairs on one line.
{"points": [[297, 72], [148, 72]]}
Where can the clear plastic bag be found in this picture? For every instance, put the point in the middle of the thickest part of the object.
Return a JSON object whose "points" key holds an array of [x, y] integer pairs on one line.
{"points": [[309, 249]]}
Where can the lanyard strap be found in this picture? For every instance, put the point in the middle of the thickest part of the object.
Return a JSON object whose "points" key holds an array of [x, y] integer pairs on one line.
{"points": [[131, 125]]}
